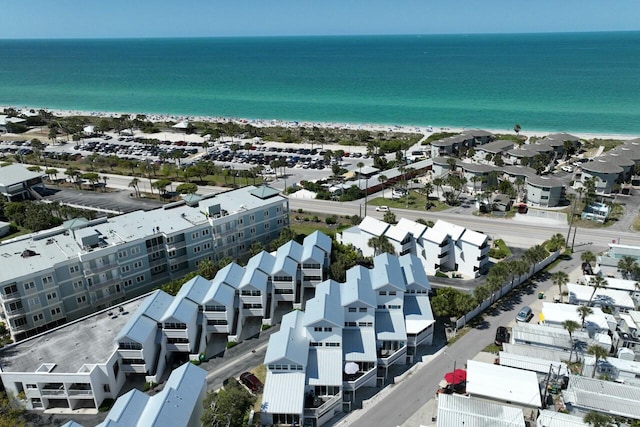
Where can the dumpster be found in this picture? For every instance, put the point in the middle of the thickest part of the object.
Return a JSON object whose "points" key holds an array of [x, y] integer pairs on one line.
{"points": [[540, 295]]}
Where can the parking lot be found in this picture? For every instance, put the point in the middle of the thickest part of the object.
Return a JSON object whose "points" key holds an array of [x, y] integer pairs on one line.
{"points": [[112, 201]]}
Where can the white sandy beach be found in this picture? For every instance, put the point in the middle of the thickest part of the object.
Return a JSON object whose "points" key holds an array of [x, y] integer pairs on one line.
{"points": [[329, 125]]}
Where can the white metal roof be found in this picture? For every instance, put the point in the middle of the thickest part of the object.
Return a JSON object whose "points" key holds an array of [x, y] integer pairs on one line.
{"points": [[473, 237], [415, 228], [358, 287], [515, 386], [318, 239], [396, 233], [373, 226], [417, 313], [390, 325], [359, 345], [387, 271], [14, 174], [289, 344], [324, 367], [414, 273], [615, 283], [283, 393], [549, 418], [325, 306], [434, 235], [535, 351], [457, 410], [558, 313], [604, 296], [534, 364], [453, 230], [603, 396]]}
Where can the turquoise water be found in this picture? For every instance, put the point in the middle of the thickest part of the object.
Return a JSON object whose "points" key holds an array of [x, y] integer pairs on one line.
{"points": [[587, 82]]}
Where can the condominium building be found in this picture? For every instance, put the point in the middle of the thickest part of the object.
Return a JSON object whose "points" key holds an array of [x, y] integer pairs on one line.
{"points": [[143, 337], [443, 247], [347, 337], [61, 274]]}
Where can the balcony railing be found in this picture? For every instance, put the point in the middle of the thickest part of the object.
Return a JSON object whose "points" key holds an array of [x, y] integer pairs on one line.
{"points": [[104, 283], [77, 392], [14, 313], [10, 296], [388, 356], [53, 392], [178, 260], [95, 270], [321, 405], [176, 245]]}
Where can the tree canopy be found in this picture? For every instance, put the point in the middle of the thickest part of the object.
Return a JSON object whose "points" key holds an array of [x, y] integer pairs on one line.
{"points": [[228, 407]]}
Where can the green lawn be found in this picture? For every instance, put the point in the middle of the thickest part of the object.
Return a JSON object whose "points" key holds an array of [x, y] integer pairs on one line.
{"points": [[416, 201]]}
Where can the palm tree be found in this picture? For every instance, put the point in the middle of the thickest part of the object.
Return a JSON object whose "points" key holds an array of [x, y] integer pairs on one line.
{"points": [[600, 353], [134, 183], [560, 278], [104, 180], [597, 282], [583, 312], [517, 128], [438, 183], [596, 419], [556, 242], [382, 179], [628, 267], [571, 326], [380, 245]]}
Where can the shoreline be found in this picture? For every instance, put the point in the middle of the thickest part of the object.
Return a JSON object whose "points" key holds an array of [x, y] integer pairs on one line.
{"points": [[424, 129]]}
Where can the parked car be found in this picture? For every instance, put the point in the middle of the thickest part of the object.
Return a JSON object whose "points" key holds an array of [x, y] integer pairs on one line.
{"points": [[502, 335], [382, 209], [251, 381], [525, 314], [567, 168]]}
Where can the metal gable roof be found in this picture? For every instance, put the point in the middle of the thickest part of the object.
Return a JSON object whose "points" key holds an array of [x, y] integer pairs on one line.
{"points": [[284, 393], [387, 271], [324, 367], [320, 240], [414, 272], [359, 345], [358, 287], [231, 274], [458, 410], [195, 289], [290, 343]]}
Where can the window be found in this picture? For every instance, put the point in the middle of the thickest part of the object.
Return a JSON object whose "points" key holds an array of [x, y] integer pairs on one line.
{"points": [[266, 226], [129, 346], [266, 214], [32, 386], [21, 321], [328, 329], [315, 344], [11, 289], [55, 311], [29, 286], [383, 293], [170, 325], [127, 282], [217, 322], [205, 232], [221, 308], [123, 254], [81, 299], [48, 280], [133, 361], [116, 370], [332, 344], [392, 293], [252, 218], [74, 269], [14, 306], [78, 284], [34, 301], [365, 324], [196, 249], [206, 246], [178, 340], [394, 307], [137, 264], [38, 317], [252, 230], [195, 235], [362, 309], [240, 221], [140, 279], [135, 251], [352, 309], [250, 292], [124, 268], [348, 324], [52, 296]]}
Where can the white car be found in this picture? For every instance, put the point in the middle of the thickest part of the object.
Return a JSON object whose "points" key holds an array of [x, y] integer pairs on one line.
{"points": [[382, 209], [567, 169]]}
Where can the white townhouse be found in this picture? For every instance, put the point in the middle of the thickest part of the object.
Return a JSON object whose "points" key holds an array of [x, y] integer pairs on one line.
{"points": [[418, 315], [18, 183], [179, 403], [450, 247], [359, 235], [139, 345], [58, 275], [585, 394], [443, 247], [252, 305], [323, 355]]}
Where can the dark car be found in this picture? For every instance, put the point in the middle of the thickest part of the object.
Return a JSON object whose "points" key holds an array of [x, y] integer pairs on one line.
{"points": [[251, 381], [502, 335]]}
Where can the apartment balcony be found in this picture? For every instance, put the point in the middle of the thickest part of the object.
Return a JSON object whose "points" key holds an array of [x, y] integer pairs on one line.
{"points": [[353, 382], [248, 312], [179, 347], [53, 389], [79, 390], [157, 263], [14, 313], [134, 368], [178, 260], [130, 354], [315, 407], [10, 297], [176, 245], [95, 270], [218, 329], [387, 357], [106, 298]]}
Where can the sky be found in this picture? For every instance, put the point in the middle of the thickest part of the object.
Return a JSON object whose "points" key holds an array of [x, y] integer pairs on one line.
{"points": [[215, 18]]}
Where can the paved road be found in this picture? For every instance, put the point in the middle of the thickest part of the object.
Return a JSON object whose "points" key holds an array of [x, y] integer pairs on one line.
{"points": [[405, 398]]}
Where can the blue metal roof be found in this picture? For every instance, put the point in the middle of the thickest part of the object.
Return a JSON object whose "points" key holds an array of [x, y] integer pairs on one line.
{"points": [[195, 289], [387, 271], [292, 249], [414, 272], [231, 274], [289, 344], [358, 287], [263, 261], [325, 306], [318, 239]]}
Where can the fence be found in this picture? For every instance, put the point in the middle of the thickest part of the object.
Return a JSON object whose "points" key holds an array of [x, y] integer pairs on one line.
{"points": [[505, 289]]}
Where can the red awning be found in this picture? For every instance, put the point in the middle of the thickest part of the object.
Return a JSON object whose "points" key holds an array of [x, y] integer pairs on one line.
{"points": [[456, 377]]}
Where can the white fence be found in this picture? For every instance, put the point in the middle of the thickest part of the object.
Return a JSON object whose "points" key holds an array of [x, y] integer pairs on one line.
{"points": [[505, 289]]}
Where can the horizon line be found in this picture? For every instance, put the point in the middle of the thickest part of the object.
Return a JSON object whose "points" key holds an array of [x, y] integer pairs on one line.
{"points": [[311, 35]]}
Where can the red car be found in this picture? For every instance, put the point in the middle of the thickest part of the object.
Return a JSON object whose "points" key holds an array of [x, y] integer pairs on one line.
{"points": [[251, 381]]}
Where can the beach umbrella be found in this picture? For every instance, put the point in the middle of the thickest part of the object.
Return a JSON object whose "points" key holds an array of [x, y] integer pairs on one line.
{"points": [[456, 377], [351, 368]]}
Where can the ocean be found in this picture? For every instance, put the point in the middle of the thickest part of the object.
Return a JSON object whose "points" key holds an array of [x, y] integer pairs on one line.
{"points": [[580, 82]]}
